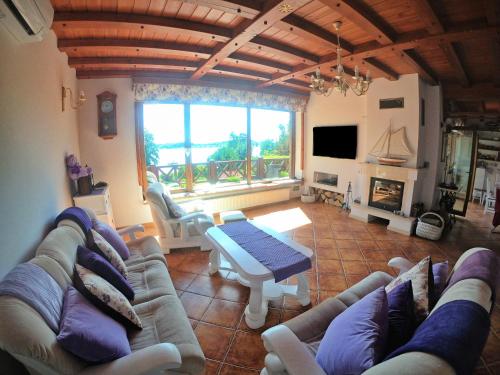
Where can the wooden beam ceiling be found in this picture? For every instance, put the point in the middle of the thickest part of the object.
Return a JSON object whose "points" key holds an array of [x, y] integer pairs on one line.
{"points": [[477, 92], [106, 20], [403, 42], [434, 27], [492, 11]]}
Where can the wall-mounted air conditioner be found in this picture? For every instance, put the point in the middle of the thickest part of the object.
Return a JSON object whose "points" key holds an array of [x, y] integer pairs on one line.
{"points": [[27, 20]]}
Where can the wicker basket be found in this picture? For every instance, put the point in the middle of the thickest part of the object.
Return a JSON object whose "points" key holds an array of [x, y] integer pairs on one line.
{"points": [[430, 231]]}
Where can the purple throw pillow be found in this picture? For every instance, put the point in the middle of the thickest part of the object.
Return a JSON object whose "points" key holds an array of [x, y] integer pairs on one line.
{"points": [[99, 265], [440, 272], [402, 319], [112, 237], [88, 333], [355, 339]]}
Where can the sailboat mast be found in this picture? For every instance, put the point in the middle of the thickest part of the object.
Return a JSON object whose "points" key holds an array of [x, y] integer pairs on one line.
{"points": [[389, 140]]}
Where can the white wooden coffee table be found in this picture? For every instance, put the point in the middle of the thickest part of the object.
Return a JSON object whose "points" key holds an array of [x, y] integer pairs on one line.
{"points": [[228, 255]]}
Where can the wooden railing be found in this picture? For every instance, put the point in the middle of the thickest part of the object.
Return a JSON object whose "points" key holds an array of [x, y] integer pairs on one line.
{"points": [[222, 171]]}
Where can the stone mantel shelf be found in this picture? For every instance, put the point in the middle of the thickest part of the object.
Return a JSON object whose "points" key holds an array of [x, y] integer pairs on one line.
{"points": [[390, 171]]}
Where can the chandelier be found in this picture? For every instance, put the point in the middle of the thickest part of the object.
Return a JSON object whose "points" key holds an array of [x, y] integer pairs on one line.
{"points": [[341, 82]]}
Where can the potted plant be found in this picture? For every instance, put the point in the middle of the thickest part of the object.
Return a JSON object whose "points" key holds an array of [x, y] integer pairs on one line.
{"points": [[81, 175]]}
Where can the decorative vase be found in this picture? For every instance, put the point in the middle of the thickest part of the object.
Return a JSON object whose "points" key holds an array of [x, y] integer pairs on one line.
{"points": [[84, 185]]}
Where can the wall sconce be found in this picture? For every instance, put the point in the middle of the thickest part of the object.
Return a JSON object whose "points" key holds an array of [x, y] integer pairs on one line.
{"points": [[81, 98]]}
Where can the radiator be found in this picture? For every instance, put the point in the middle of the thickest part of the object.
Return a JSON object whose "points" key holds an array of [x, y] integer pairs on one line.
{"points": [[236, 202]]}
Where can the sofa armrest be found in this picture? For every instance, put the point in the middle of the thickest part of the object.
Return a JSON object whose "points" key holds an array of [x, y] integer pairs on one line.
{"points": [[294, 356], [151, 360], [193, 216], [131, 231], [402, 264]]}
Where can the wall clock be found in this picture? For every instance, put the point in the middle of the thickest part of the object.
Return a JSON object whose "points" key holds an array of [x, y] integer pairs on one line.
{"points": [[106, 115]]}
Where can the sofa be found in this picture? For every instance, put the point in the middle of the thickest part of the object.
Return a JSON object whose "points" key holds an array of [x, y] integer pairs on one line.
{"points": [[292, 346], [166, 344]]}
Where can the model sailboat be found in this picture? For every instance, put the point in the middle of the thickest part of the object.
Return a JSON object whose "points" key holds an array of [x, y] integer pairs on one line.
{"points": [[391, 148]]}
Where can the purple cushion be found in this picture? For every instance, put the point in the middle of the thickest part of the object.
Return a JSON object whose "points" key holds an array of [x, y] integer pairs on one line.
{"points": [[88, 333], [113, 238], [402, 320], [355, 339], [440, 272], [99, 265]]}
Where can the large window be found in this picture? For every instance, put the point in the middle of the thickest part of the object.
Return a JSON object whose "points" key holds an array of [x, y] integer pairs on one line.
{"points": [[196, 147]]}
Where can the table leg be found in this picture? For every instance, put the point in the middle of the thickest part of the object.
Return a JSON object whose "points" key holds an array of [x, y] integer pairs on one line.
{"points": [[303, 290], [214, 262], [256, 311]]}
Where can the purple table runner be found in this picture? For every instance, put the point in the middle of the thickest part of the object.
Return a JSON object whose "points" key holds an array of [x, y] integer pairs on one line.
{"points": [[277, 256]]}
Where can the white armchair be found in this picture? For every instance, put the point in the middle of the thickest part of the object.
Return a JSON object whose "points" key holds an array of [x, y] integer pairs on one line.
{"points": [[175, 233]]}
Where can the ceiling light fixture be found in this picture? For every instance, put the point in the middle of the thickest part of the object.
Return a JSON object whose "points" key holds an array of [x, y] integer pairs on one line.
{"points": [[341, 82]]}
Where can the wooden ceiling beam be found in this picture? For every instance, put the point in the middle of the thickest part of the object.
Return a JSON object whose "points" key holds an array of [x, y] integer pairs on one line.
{"points": [[273, 12], [375, 66], [434, 26], [242, 72], [106, 21], [74, 45], [243, 8], [404, 42], [364, 18], [416, 63], [476, 92]]}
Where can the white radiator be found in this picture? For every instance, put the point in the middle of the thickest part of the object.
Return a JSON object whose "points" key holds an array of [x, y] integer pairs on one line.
{"points": [[236, 202]]}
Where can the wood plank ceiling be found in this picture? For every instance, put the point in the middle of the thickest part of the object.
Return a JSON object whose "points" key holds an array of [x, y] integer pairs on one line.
{"points": [[275, 45]]}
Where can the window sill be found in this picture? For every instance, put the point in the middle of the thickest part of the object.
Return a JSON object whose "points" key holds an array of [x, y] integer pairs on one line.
{"points": [[227, 191]]}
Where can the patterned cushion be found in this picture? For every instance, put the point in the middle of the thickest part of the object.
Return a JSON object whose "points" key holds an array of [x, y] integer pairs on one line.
{"points": [[105, 297], [174, 209], [104, 249], [422, 284]]}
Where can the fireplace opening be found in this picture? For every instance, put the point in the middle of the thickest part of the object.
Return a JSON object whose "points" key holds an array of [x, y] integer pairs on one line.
{"points": [[386, 194]]}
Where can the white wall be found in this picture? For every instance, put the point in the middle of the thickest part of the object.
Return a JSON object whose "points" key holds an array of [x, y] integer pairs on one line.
{"points": [[335, 110], [35, 136], [114, 160]]}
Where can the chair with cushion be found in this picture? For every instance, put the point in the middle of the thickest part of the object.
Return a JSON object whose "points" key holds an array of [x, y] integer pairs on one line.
{"points": [[490, 197], [294, 345], [178, 228]]}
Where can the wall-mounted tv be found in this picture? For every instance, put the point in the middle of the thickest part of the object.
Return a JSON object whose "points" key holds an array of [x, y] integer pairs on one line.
{"points": [[335, 141]]}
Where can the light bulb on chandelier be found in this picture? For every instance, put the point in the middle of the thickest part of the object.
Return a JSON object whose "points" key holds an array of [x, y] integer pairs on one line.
{"points": [[341, 82]]}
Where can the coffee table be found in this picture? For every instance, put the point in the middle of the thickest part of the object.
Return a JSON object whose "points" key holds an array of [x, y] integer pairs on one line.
{"points": [[228, 255]]}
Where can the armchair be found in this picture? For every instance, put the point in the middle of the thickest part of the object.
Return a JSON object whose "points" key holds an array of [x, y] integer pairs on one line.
{"points": [[181, 232]]}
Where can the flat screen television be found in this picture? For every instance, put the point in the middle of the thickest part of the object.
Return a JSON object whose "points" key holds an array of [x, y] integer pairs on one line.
{"points": [[335, 141]]}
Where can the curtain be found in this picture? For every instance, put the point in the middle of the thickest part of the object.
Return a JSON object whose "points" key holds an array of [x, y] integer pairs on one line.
{"points": [[216, 95]]}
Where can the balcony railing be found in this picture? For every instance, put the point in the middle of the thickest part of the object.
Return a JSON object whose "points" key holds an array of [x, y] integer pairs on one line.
{"points": [[231, 171]]}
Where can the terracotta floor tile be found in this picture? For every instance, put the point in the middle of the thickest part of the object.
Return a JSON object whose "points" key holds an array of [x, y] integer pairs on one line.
{"points": [[273, 318], [214, 340], [330, 266], [381, 266], [324, 252], [223, 313], [351, 254], [354, 279], [233, 370], [247, 350], [375, 255], [342, 235], [205, 285], [325, 294], [195, 305], [326, 242], [233, 291], [332, 282], [346, 244], [180, 279], [211, 367], [367, 245], [355, 267]]}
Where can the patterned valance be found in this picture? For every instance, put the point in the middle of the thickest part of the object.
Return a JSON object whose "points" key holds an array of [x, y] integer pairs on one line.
{"points": [[216, 95]]}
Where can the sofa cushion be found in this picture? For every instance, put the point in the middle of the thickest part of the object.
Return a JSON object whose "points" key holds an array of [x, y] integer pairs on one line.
{"points": [[164, 320], [144, 249], [104, 249], [60, 245], [24, 334], [355, 340], [53, 269], [99, 265], [422, 284], [174, 210], [105, 297], [88, 333], [402, 321], [150, 280], [112, 236], [440, 273]]}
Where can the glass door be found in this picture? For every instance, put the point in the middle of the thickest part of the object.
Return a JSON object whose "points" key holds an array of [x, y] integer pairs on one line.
{"points": [[460, 145]]}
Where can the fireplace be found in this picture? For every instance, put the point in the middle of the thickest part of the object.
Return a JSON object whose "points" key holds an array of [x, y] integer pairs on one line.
{"points": [[386, 194]]}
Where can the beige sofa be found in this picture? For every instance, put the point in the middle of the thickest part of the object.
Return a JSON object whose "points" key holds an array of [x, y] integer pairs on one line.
{"points": [[292, 346], [166, 344]]}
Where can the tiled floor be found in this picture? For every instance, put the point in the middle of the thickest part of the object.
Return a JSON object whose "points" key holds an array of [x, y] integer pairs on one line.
{"points": [[346, 251]]}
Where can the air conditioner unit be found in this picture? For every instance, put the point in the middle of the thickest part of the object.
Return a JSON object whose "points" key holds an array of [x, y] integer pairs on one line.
{"points": [[27, 20]]}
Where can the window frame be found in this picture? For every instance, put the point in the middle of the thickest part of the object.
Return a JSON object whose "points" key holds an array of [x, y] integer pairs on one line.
{"points": [[140, 147]]}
